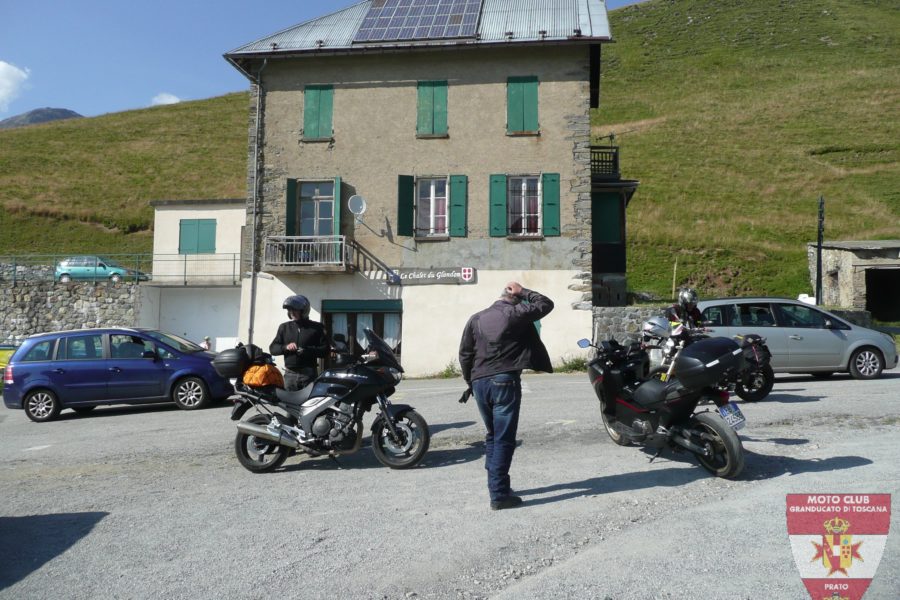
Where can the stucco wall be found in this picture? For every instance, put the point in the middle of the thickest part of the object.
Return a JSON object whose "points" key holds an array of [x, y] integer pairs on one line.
{"points": [[375, 140]]}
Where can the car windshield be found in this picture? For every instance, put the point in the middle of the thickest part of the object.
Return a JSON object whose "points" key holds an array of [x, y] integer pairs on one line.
{"points": [[109, 263], [177, 342]]}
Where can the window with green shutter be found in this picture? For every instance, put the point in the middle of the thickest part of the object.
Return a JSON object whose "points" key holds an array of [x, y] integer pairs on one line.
{"points": [[197, 236], [432, 207], [431, 118], [522, 105], [317, 112], [524, 206]]}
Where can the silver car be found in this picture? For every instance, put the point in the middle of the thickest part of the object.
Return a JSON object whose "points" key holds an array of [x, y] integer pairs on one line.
{"points": [[803, 338]]}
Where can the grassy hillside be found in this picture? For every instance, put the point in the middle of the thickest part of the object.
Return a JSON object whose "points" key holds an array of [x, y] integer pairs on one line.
{"points": [[736, 116], [85, 185]]}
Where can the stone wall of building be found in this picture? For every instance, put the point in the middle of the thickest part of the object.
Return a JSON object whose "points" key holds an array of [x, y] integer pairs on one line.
{"points": [[31, 307], [623, 322]]}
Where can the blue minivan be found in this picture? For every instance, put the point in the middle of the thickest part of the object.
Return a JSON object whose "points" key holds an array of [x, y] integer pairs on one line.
{"points": [[86, 368]]}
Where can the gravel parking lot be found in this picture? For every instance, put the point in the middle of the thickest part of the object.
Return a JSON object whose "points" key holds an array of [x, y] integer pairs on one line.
{"points": [[150, 502]]}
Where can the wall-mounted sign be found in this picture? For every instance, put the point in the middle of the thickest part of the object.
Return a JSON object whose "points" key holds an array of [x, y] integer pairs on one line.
{"points": [[448, 275]]}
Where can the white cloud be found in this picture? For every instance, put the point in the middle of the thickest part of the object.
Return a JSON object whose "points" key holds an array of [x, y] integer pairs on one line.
{"points": [[165, 98], [12, 79]]}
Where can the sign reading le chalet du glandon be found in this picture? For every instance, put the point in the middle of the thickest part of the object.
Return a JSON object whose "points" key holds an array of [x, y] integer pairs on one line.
{"points": [[448, 275]]}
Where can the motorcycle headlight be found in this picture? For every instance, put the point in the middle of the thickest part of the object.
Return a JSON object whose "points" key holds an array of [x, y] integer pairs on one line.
{"points": [[397, 375]]}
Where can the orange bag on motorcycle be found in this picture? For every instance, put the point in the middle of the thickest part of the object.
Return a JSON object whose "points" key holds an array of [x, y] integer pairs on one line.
{"points": [[263, 375]]}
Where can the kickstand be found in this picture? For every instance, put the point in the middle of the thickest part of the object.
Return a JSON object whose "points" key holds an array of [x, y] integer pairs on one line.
{"points": [[336, 461], [655, 456]]}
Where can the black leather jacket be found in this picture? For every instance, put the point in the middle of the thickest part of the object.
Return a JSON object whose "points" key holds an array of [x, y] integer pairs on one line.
{"points": [[502, 338], [312, 344]]}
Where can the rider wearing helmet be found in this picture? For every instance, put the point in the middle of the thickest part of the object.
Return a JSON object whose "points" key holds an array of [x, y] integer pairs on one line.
{"points": [[685, 311], [302, 341]]}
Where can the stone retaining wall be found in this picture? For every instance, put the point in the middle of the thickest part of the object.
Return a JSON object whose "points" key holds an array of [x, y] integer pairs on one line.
{"points": [[33, 307]]}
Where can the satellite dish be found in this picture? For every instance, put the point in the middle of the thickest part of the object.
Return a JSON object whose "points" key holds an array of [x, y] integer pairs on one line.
{"points": [[357, 205]]}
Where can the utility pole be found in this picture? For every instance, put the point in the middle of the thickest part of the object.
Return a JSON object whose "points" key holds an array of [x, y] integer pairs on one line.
{"points": [[819, 251]]}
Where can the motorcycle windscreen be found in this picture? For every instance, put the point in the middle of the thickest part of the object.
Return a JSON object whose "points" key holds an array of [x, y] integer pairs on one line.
{"points": [[385, 354]]}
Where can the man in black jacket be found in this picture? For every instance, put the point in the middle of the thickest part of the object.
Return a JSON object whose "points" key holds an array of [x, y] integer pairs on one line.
{"points": [[497, 344], [302, 341]]}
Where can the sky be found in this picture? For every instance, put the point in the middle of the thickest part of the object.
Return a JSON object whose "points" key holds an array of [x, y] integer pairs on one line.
{"points": [[102, 56]]}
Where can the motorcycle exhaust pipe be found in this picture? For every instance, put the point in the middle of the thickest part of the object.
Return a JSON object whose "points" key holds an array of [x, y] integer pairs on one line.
{"points": [[264, 433]]}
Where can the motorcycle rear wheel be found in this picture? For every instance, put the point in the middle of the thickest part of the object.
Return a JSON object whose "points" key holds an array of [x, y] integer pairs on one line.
{"points": [[759, 387], [614, 435], [727, 460], [259, 455], [411, 445]]}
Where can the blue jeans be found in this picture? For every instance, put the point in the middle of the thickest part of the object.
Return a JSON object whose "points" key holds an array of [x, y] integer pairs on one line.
{"points": [[499, 398]]}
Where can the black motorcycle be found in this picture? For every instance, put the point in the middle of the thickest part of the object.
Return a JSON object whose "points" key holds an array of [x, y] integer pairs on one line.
{"points": [[638, 408], [753, 381], [325, 417]]}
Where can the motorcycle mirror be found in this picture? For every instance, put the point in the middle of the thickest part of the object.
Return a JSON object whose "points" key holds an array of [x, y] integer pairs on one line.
{"points": [[584, 343]]}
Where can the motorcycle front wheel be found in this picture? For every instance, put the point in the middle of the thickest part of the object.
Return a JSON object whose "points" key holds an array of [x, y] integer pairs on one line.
{"points": [[614, 435], [727, 454], [259, 455], [758, 386], [408, 447]]}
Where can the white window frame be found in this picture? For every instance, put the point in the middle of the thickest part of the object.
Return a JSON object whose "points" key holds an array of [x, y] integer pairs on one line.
{"points": [[432, 231], [520, 196], [317, 200]]}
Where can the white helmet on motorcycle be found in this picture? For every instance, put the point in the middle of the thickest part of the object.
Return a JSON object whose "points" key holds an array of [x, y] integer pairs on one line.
{"points": [[687, 298], [655, 328]]}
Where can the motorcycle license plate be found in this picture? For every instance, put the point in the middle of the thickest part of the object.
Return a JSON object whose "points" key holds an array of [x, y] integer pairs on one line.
{"points": [[733, 415]]}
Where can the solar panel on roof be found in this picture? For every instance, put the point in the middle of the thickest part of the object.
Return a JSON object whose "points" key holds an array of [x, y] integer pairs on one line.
{"points": [[395, 20]]}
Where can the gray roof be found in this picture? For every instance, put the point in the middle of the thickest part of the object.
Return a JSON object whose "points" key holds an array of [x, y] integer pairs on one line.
{"points": [[501, 22]]}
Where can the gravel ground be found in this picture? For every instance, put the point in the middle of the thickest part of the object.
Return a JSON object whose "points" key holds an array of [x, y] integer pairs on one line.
{"points": [[150, 502]]}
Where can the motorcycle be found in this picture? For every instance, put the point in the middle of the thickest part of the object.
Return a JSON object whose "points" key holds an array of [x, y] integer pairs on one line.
{"points": [[326, 416], [751, 383], [638, 408]]}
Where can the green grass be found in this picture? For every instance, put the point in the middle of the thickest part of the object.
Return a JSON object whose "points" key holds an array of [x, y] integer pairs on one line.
{"points": [[735, 116]]}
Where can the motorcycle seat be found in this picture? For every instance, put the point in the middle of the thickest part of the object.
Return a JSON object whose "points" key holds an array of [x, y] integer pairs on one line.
{"points": [[653, 391], [295, 398]]}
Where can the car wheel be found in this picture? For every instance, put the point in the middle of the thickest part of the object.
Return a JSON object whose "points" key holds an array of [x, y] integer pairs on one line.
{"points": [[190, 393], [65, 278], [866, 363], [42, 406], [115, 278]]}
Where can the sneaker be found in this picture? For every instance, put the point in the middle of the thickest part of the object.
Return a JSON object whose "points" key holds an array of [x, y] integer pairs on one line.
{"points": [[508, 502]]}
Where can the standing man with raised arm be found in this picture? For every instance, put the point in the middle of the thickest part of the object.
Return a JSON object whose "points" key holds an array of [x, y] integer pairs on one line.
{"points": [[497, 344]]}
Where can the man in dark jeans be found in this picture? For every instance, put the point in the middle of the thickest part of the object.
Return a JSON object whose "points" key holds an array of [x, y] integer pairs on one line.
{"points": [[497, 344], [302, 341]]}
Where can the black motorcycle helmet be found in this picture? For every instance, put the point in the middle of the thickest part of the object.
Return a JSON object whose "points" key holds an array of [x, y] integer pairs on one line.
{"points": [[298, 303], [687, 298]]}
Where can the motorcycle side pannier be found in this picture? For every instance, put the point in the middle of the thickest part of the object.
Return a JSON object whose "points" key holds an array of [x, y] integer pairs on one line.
{"points": [[705, 362], [231, 363]]}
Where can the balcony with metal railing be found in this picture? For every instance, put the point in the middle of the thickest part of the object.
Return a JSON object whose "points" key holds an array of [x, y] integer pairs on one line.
{"points": [[307, 254], [605, 163]]}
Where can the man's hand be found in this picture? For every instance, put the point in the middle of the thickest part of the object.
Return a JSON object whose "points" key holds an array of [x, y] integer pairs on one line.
{"points": [[292, 347], [465, 396], [513, 288]]}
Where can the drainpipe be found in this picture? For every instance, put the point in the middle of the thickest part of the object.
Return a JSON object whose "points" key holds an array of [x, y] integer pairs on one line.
{"points": [[253, 253]]}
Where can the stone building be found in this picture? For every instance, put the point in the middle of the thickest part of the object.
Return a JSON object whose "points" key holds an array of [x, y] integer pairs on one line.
{"points": [[860, 275], [407, 158]]}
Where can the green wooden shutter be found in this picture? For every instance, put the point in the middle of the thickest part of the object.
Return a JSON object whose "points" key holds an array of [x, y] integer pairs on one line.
{"points": [[311, 112], [290, 202], [431, 111], [550, 203], [459, 192], [317, 111], [188, 236], [425, 109], [336, 207], [530, 104], [406, 193], [440, 107], [206, 236], [326, 109], [498, 206], [606, 218], [521, 104]]}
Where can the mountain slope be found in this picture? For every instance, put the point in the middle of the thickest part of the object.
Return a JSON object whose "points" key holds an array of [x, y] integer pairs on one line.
{"points": [[39, 115], [736, 116]]}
